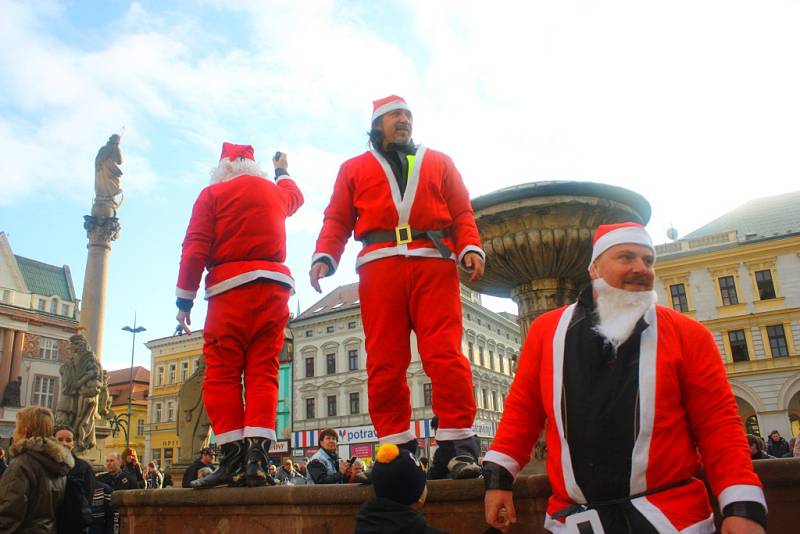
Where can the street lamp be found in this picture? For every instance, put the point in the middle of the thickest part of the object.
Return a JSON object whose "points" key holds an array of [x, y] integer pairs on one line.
{"points": [[135, 330]]}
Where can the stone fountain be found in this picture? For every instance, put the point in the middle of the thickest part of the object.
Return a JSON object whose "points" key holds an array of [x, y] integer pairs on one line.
{"points": [[538, 239]]}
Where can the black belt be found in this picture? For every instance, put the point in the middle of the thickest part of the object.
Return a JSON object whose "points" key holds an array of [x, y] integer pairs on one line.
{"points": [[575, 508], [405, 234]]}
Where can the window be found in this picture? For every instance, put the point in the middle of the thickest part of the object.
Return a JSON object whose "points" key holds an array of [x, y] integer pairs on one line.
{"points": [[491, 360], [157, 415], [309, 367], [309, 333], [53, 306], [157, 455], [475, 394], [48, 348], [160, 376], [196, 364], [44, 388], [727, 289], [329, 329], [42, 304], [172, 370], [331, 405], [777, 340], [766, 289], [471, 350], [352, 359], [495, 406], [502, 364], [427, 394], [486, 399], [184, 370], [351, 325], [140, 427], [679, 301], [330, 363], [738, 346], [480, 356], [6, 296], [355, 403], [310, 409], [170, 411], [65, 310]]}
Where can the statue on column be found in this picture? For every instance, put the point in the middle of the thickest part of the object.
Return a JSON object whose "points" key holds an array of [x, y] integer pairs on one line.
{"points": [[81, 383], [193, 424], [107, 174]]}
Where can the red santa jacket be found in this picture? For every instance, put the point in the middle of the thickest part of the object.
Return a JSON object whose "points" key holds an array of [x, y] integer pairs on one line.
{"points": [[237, 232], [366, 198], [686, 406]]}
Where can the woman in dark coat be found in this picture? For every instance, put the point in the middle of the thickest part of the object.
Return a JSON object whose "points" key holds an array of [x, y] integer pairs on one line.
{"points": [[130, 463], [33, 486]]}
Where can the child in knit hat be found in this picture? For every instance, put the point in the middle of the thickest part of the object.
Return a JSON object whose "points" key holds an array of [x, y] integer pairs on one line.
{"points": [[400, 491]]}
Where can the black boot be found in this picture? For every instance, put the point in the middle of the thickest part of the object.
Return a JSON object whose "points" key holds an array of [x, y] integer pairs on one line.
{"points": [[230, 468], [465, 462], [441, 458], [257, 463]]}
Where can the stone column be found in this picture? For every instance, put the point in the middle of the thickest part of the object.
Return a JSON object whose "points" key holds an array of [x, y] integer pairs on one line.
{"points": [[16, 359], [101, 231], [5, 359], [535, 297]]}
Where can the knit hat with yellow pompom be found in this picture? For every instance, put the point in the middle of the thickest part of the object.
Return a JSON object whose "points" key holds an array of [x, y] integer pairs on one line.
{"points": [[397, 475]]}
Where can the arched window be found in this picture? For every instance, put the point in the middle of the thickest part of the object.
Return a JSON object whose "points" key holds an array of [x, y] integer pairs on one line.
{"points": [[751, 425]]}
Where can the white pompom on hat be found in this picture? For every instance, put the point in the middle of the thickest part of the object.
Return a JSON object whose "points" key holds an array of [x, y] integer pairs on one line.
{"points": [[609, 235]]}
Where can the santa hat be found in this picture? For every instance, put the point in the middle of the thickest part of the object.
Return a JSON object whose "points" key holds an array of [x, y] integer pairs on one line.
{"points": [[397, 475], [608, 235], [387, 104], [232, 152]]}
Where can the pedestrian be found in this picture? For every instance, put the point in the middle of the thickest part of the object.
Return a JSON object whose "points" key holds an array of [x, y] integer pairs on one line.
{"points": [[3, 464], [153, 478], [32, 488], [325, 466], [115, 476], [205, 459], [237, 231], [79, 518], [409, 208], [777, 446], [757, 448], [288, 475], [651, 382], [400, 492], [130, 463]]}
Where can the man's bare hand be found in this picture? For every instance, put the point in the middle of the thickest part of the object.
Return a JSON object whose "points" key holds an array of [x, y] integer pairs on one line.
{"points": [[499, 509], [318, 270], [740, 525], [184, 320], [474, 262], [281, 162]]}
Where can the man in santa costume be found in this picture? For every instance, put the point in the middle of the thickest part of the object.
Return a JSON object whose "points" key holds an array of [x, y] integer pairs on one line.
{"points": [[631, 392], [237, 232], [409, 208]]}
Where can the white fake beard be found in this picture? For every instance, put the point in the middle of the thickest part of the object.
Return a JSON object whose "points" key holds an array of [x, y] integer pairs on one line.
{"points": [[619, 310], [228, 170]]}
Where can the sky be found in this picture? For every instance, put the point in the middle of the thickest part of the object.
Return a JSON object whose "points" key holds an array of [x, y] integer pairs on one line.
{"points": [[692, 104]]}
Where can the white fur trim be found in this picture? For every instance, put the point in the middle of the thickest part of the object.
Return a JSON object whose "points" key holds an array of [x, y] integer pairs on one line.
{"points": [[706, 526], [573, 490], [259, 432], [505, 460], [630, 234], [655, 516], [319, 255], [228, 169], [389, 106], [640, 457], [249, 276], [450, 434], [741, 492], [398, 439], [400, 250], [554, 526], [282, 177], [185, 293], [228, 437], [402, 203], [471, 248]]}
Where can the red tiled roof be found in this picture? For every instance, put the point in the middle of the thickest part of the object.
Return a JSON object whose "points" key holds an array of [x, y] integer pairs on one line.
{"points": [[122, 376], [341, 298]]}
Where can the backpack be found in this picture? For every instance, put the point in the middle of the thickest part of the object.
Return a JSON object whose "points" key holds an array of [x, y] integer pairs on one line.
{"points": [[75, 513]]}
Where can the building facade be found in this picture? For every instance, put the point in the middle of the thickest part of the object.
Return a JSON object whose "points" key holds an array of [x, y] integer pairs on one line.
{"points": [[39, 311], [740, 276], [330, 374], [173, 360], [124, 385]]}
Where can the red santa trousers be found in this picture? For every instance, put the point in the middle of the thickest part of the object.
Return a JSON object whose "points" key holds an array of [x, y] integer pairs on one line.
{"points": [[244, 333], [398, 294]]}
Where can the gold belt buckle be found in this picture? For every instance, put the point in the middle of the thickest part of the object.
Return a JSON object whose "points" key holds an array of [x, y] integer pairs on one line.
{"points": [[402, 234]]}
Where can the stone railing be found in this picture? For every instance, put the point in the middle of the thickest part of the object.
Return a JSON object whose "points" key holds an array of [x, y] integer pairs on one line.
{"points": [[454, 506]]}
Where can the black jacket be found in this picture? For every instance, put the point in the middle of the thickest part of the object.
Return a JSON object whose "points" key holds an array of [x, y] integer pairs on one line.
{"points": [[778, 449], [383, 516], [123, 480], [191, 472]]}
